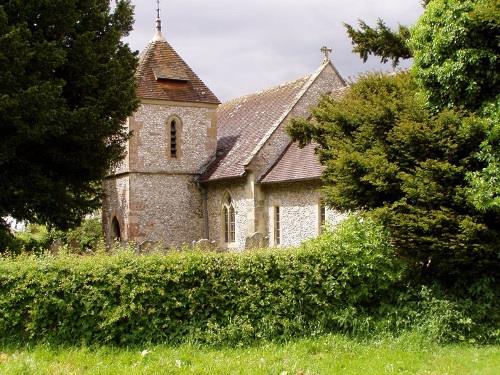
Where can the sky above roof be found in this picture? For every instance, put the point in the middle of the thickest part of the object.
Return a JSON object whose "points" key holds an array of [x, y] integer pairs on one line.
{"points": [[238, 47]]}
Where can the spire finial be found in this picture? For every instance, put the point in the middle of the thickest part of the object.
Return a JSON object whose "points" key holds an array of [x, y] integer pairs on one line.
{"points": [[326, 52], [158, 19], [158, 34]]}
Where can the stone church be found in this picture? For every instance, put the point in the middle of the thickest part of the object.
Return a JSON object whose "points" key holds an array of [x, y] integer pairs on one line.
{"points": [[229, 173]]}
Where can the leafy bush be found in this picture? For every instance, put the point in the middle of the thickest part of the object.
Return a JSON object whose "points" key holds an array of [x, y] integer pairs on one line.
{"points": [[7, 240], [272, 294], [86, 236], [34, 238], [37, 238]]}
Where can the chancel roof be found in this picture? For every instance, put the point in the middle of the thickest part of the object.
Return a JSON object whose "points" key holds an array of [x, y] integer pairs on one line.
{"points": [[244, 122]]}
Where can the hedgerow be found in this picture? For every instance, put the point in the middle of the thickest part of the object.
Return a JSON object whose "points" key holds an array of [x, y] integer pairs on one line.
{"points": [[343, 281], [125, 298]]}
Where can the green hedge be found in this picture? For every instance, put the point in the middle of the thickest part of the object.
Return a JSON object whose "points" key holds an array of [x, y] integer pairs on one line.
{"points": [[344, 281], [127, 299]]}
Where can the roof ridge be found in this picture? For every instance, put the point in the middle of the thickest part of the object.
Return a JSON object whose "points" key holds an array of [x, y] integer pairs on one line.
{"points": [[263, 91]]}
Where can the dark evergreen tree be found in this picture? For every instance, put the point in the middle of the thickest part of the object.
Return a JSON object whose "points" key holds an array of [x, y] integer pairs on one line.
{"points": [[66, 88], [382, 41], [385, 152]]}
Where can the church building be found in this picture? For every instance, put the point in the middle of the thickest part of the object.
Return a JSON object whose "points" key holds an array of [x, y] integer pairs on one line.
{"points": [[228, 173]]}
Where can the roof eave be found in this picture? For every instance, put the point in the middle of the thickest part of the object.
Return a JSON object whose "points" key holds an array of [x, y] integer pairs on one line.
{"points": [[318, 178], [222, 179]]}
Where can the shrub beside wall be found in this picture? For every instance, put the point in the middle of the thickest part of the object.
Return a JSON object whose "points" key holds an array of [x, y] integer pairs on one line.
{"points": [[127, 299]]}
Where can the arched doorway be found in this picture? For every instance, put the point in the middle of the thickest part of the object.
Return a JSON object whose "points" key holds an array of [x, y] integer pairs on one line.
{"points": [[115, 228]]}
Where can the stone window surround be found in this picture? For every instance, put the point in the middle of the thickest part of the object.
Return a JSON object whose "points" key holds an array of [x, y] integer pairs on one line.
{"points": [[321, 215], [228, 227], [277, 233], [178, 140]]}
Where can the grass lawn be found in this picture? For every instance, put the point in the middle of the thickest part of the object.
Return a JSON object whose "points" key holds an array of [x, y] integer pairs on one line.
{"points": [[333, 354]]}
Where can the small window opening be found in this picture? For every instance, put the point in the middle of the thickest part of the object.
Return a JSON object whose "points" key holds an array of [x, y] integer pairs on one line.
{"points": [[173, 139], [277, 226], [115, 227]]}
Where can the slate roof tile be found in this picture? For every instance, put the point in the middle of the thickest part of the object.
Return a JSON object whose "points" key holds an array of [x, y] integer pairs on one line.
{"points": [[295, 164], [242, 124]]}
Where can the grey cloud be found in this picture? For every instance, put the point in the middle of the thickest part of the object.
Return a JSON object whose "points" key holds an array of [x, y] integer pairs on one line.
{"points": [[238, 47]]}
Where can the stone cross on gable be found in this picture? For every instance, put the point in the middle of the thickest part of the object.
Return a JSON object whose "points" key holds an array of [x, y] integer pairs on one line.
{"points": [[326, 52]]}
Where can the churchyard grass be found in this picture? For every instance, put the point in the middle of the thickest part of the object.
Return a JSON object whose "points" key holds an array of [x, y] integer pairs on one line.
{"points": [[332, 354]]}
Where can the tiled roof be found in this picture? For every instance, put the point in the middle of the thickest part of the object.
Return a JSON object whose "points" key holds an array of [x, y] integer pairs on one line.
{"points": [[162, 74], [295, 164], [244, 122]]}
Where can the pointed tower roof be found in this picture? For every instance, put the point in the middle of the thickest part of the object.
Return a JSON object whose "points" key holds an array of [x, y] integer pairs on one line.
{"points": [[163, 75]]}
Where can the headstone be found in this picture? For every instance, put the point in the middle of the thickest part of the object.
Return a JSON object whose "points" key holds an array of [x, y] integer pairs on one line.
{"points": [[256, 241]]}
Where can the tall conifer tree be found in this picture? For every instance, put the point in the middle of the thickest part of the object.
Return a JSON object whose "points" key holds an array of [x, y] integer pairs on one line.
{"points": [[66, 88]]}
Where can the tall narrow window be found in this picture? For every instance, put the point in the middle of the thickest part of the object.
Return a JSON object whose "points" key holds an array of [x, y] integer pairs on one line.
{"points": [[225, 210], [173, 139], [232, 224], [229, 220], [277, 226]]}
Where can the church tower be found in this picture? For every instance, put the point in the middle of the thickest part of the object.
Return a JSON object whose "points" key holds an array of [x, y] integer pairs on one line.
{"points": [[153, 195]]}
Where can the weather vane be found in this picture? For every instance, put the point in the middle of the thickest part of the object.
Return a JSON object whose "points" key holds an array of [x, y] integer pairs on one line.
{"points": [[326, 52]]}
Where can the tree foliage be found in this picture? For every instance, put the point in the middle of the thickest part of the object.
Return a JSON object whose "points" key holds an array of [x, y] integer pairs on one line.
{"points": [[66, 87], [457, 63], [380, 41], [484, 190], [456, 48], [386, 152]]}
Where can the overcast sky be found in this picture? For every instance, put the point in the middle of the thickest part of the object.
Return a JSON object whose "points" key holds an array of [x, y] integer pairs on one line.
{"points": [[237, 47]]}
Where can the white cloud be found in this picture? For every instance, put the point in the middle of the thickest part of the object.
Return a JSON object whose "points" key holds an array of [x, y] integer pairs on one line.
{"points": [[238, 47]]}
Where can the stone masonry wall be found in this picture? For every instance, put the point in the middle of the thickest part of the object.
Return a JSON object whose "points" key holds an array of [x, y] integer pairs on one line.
{"points": [[243, 203], [166, 209], [299, 204], [149, 145], [115, 204]]}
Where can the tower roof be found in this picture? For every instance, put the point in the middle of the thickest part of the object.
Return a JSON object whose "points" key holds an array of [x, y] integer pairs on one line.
{"points": [[163, 75]]}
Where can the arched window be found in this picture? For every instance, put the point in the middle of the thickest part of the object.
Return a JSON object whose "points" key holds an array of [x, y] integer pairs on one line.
{"points": [[229, 220], [115, 227]]}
